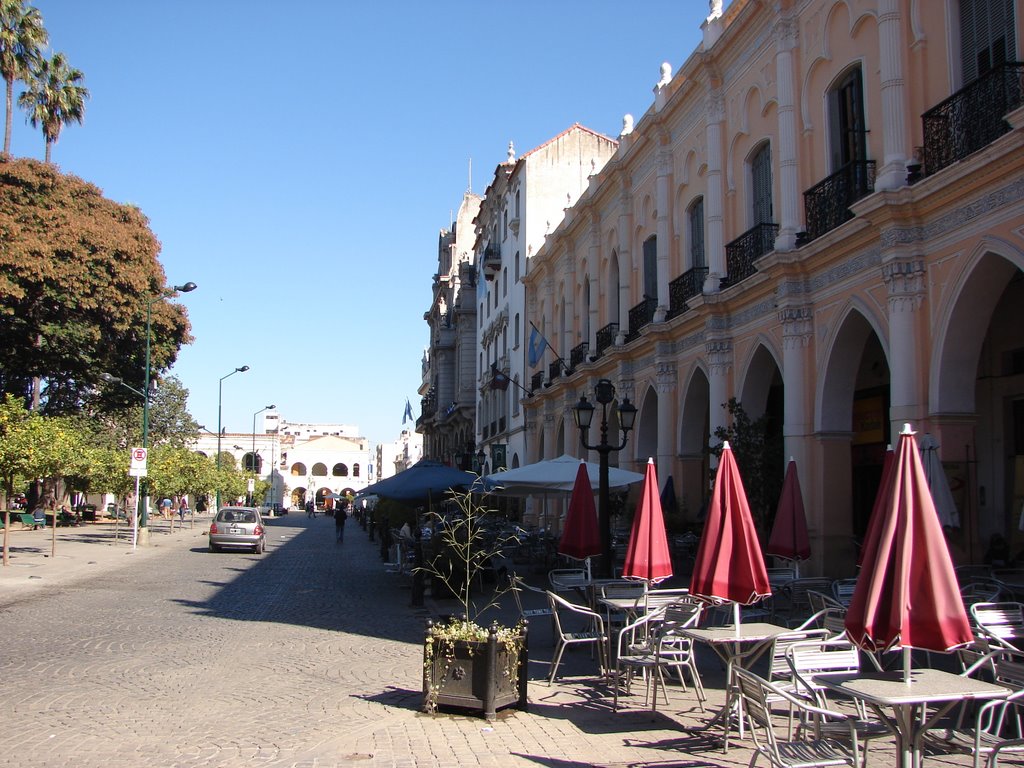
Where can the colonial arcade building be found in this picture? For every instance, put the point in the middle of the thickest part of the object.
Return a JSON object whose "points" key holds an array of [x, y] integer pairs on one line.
{"points": [[820, 215]]}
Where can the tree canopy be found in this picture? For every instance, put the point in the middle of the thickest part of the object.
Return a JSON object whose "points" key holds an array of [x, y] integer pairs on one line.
{"points": [[77, 272]]}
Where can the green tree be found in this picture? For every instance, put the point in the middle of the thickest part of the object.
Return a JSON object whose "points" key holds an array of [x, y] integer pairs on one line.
{"points": [[55, 97], [758, 447], [75, 269], [177, 471], [22, 38], [33, 446]]}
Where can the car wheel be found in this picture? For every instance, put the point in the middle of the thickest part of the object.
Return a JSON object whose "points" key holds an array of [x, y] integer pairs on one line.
{"points": [[214, 548], [258, 549]]}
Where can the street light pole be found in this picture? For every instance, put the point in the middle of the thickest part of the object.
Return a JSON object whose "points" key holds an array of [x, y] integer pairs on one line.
{"points": [[220, 398], [583, 414], [144, 492], [252, 461]]}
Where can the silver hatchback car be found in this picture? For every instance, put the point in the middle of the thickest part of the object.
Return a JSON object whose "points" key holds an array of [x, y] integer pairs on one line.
{"points": [[238, 528]]}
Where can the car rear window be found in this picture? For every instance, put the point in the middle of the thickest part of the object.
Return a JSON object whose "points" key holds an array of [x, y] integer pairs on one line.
{"points": [[236, 516]]}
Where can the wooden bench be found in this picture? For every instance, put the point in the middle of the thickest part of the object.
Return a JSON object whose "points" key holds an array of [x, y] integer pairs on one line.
{"points": [[30, 522]]}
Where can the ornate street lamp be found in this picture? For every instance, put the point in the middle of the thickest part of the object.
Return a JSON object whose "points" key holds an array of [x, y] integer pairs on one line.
{"points": [[583, 414], [220, 398]]}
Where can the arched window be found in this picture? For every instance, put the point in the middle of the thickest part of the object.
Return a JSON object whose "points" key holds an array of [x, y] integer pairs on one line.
{"points": [[340, 470], [517, 274], [355, 470], [504, 282], [319, 469], [515, 332], [761, 185], [298, 469], [651, 267], [847, 129]]}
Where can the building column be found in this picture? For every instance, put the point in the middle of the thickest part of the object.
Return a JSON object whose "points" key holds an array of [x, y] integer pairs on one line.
{"points": [[666, 385], [625, 233], [893, 173], [714, 204], [719, 352], [797, 326], [664, 221], [905, 279], [786, 39], [594, 270], [568, 311]]}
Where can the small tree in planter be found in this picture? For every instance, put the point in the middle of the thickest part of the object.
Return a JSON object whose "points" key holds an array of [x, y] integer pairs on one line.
{"points": [[466, 665]]}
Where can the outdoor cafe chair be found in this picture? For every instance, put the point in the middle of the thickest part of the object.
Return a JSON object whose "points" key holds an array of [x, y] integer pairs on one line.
{"points": [[998, 625], [799, 604], [517, 587], [995, 726], [568, 579], [576, 625], [842, 590], [819, 752], [652, 644]]}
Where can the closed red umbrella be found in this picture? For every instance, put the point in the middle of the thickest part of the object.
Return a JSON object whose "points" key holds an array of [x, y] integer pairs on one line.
{"points": [[907, 595], [729, 564], [580, 537], [789, 537], [647, 554]]}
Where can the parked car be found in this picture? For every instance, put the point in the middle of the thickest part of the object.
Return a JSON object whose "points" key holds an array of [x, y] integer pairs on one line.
{"points": [[238, 528]]}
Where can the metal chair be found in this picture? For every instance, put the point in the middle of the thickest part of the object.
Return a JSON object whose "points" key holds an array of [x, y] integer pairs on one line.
{"points": [[820, 752], [998, 725], [842, 590], [998, 625], [576, 625], [797, 589], [518, 585]]}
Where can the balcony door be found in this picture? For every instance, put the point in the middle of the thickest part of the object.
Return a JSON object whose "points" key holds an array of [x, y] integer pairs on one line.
{"points": [[847, 128], [987, 36], [761, 184]]}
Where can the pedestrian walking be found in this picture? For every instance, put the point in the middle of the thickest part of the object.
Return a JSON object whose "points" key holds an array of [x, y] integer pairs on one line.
{"points": [[183, 509], [340, 515], [310, 509]]}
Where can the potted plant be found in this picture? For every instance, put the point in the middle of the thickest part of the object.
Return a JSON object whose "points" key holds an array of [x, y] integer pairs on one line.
{"points": [[465, 664]]}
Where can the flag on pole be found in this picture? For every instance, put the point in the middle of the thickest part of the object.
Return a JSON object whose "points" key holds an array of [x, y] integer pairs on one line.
{"points": [[498, 378], [407, 415], [537, 346]]}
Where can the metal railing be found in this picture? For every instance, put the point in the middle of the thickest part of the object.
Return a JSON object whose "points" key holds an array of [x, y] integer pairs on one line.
{"points": [[684, 288], [554, 370], [827, 203], [606, 338], [971, 118], [537, 380], [640, 315], [742, 252], [578, 354]]}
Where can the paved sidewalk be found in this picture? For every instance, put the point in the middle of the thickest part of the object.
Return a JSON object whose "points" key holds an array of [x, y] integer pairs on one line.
{"points": [[84, 551], [340, 683]]}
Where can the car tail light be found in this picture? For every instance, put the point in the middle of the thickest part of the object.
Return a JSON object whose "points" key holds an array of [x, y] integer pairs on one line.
{"points": [[213, 527], [258, 531]]}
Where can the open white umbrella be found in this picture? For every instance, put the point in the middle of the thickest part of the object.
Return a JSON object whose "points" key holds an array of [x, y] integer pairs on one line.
{"points": [[555, 476]]}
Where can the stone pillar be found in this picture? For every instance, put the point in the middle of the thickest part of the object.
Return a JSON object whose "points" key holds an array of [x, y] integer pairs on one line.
{"points": [[797, 326], [714, 202], [666, 384], [905, 279], [664, 222], [597, 277], [625, 259], [786, 39], [893, 173], [719, 352]]}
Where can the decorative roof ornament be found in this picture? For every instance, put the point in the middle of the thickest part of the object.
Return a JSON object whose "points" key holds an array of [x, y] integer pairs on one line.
{"points": [[511, 153], [627, 125], [666, 74], [715, 8]]}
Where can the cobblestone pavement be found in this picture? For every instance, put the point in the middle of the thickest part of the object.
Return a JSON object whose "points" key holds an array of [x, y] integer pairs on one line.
{"points": [[308, 656]]}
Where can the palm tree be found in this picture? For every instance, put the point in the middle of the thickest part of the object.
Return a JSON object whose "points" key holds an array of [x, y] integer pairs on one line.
{"points": [[22, 37], [55, 97]]}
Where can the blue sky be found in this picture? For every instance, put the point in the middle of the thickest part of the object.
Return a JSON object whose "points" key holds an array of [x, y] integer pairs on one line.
{"points": [[297, 161]]}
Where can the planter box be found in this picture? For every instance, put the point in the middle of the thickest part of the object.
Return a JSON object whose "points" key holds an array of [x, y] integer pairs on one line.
{"points": [[482, 676]]}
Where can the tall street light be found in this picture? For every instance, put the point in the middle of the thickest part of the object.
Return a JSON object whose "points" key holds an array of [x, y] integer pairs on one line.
{"points": [[583, 413], [253, 465], [172, 291], [220, 398]]}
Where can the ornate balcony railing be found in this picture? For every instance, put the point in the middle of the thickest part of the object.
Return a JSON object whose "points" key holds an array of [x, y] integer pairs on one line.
{"points": [[578, 354], [492, 261], [684, 288], [971, 118], [640, 315], [554, 370], [537, 381], [742, 252], [827, 203], [606, 338]]}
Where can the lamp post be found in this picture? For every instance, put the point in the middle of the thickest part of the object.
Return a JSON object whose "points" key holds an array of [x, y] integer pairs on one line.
{"points": [[583, 414], [253, 463], [220, 399]]}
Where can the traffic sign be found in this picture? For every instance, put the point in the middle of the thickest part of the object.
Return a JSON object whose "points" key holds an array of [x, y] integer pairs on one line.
{"points": [[137, 468]]}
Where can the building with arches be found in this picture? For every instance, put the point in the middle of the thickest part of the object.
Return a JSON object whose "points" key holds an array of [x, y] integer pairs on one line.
{"points": [[821, 215]]}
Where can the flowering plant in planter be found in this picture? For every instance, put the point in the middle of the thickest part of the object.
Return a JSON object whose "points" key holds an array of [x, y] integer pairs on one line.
{"points": [[464, 663]]}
